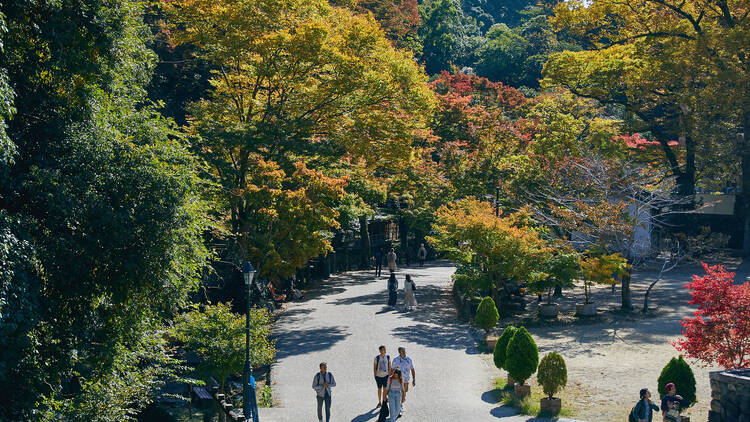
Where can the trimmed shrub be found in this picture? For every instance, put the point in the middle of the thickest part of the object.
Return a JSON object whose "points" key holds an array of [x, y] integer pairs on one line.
{"points": [[552, 374], [502, 346], [522, 356], [487, 314], [678, 372]]}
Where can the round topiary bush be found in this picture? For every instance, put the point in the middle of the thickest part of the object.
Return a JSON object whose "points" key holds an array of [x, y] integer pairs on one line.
{"points": [[552, 374], [487, 314], [522, 356], [502, 346], [678, 372]]}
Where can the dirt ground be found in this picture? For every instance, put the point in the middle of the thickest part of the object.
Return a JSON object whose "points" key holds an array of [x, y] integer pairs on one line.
{"points": [[612, 356]]}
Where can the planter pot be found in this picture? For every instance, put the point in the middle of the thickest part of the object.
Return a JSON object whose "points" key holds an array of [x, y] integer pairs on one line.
{"points": [[511, 382], [490, 340], [521, 390], [684, 418], [548, 310], [586, 309], [550, 406]]}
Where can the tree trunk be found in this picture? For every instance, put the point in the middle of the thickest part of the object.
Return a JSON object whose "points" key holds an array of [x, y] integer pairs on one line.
{"points": [[627, 300], [403, 229], [744, 197], [364, 235]]}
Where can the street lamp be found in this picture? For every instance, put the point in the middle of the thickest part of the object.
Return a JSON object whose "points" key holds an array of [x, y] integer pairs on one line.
{"points": [[248, 382]]}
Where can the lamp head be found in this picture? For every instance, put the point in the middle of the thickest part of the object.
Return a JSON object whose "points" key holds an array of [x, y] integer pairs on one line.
{"points": [[248, 272]]}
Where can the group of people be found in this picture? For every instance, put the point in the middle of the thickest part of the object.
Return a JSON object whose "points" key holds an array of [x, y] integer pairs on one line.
{"points": [[392, 379], [410, 300], [391, 258], [671, 404]]}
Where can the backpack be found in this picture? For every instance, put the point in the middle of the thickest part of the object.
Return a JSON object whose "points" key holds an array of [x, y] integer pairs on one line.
{"points": [[631, 416], [377, 360]]}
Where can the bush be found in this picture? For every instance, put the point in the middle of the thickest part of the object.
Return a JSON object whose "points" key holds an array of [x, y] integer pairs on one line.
{"points": [[678, 371], [522, 356], [502, 346], [552, 374], [487, 314]]}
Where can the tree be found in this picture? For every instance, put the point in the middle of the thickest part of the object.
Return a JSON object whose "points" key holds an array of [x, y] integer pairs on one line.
{"points": [[522, 356], [399, 18], [296, 82], [102, 206], [448, 36], [557, 273], [487, 314], [719, 331], [552, 374], [678, 372], [499, 355], [600, 268], [217, 336]]}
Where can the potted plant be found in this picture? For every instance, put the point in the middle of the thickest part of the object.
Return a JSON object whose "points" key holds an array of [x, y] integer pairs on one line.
{"points": [[486, 318], [678, 372], [552, 375], [521, 360], [560, 270], [600, 269], [501, 348]]}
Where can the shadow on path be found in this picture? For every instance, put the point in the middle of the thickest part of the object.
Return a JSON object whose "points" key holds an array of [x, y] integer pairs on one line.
{"points": [[503, 412], [300, 342], [367, 415]]}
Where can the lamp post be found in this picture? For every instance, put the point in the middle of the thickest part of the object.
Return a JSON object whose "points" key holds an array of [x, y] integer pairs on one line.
{"points": [[248, 382]]}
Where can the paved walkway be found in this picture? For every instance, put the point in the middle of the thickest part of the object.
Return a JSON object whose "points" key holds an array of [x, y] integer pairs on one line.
{"points": [[343, 323]]}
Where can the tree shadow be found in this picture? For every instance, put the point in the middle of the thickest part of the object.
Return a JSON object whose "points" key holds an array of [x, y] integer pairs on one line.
{"points": [[503, 412], [300, 342], [492, 396]]}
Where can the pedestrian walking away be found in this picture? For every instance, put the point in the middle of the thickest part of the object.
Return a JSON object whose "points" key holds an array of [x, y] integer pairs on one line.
{"points": [[643, 410], [672, 403], [380, 369], [422, 254], [391, 260], [392, 290], [378, 262], [395, 394], [322, 383], [410, 301], [404, 364]]}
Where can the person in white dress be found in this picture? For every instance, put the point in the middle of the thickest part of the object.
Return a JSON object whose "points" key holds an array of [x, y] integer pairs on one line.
{"points": [[410, 301]]}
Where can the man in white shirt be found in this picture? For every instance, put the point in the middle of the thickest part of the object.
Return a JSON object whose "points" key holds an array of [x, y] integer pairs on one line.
{"points": [[405, 364], [322, 383]]}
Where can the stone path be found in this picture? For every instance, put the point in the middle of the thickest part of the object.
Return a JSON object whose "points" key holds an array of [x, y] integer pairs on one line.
{"points": [[345, 320]]}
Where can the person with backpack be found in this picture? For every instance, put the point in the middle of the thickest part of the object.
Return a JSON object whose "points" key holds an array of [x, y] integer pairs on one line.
{"points": [[643, 410], [322, 383], [422, 255], [380, 369], [395, 394]]}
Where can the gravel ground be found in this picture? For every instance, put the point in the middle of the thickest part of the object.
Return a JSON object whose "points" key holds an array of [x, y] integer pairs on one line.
{"points": [[345, 320]]}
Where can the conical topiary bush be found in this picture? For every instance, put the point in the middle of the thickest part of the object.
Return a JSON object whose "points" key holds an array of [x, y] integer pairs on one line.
{"points": [[521, 356], [487, 314], [502, 345], [678, 371], [552, 374]]}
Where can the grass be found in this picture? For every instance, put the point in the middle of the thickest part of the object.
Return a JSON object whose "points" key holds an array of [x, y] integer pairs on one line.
{"points": [[530, 404]]}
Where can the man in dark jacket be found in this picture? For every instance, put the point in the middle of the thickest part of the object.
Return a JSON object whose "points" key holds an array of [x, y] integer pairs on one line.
{"points": [[643, 410]]}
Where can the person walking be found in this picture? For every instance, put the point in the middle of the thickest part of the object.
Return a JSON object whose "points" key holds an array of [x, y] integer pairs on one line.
{"points": [[380, 369], [405, 365], [322, 383], [391, 260], [410, 301], [422, 255], [392, 290], [378, 262], [671, 404], [395, 394], [643, 410]]}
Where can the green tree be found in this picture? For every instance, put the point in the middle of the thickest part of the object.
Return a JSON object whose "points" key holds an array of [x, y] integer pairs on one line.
{"points": [[678, 372], [499, 355], [522, 356], [217, 336], [448, 36], [552, 374], [487, 314]]}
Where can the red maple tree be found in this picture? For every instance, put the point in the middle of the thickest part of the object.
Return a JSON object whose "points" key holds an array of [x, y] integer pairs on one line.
{"points": [[719, 331]]}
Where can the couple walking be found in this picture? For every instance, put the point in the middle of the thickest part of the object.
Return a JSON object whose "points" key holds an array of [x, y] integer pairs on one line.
{"points": [[671, 404], [410, 301], [392, 380]]}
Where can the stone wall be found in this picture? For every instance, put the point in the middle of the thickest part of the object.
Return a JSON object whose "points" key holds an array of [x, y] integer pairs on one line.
{"points": [[730, 394]]}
